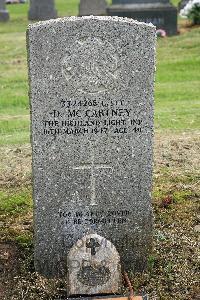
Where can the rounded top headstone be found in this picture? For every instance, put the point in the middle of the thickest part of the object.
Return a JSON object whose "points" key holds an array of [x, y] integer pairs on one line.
{"points": [[93, 267]]}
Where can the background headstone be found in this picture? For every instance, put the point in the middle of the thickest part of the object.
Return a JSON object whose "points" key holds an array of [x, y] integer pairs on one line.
{"points": [[91, 94], [4, 15], [117, 2], [92, 7], [42, 10], [161, 13], [94, 267]]}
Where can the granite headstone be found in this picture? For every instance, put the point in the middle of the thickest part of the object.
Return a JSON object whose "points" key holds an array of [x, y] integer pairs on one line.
{"points": [[92, 7], [42, 10], [91, 94], [4, 15], [161, 13]]}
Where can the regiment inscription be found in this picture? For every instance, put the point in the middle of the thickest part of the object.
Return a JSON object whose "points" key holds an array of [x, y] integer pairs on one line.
{"points": [[90, 117]]}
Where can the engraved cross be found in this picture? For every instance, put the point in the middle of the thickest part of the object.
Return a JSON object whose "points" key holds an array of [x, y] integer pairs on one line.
{"points": [[93, 244], [92, 167]]}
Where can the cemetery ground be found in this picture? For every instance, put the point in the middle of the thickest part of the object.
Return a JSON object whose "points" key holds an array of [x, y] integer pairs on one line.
{"points": [[172, 268]]}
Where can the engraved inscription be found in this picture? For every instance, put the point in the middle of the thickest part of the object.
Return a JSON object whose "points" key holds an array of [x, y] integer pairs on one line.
{"points": [[93, 244], [91, 65], [94, 217], [92, 117], [93, 276], [155, 21]]}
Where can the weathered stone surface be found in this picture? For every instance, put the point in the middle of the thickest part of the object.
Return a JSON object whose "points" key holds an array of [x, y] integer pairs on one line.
{"points": [[161, 13], [197, 228], [92, 7], [42, 10], [94, 267], [91, 94], [4, 15]]}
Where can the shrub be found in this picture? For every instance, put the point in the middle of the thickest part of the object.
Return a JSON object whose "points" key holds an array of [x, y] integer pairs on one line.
{"points": [[192, 11]]}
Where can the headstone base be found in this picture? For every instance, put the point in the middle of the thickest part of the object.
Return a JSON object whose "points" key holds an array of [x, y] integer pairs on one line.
{"points": [[4, 15], [111, 297], [161, 15]]}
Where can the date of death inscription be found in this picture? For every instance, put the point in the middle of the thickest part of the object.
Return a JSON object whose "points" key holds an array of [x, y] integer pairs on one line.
{"points": [[110, 217], [79, 118]]}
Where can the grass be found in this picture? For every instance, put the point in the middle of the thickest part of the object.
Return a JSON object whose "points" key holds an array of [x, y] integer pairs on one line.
{"points": [[177, 93], [177, 86], [173, 262], [173, 265], [15, 202]]}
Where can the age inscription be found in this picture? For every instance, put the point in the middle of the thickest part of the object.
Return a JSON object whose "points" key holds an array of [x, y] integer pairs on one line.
{"points": [[92, 117]]}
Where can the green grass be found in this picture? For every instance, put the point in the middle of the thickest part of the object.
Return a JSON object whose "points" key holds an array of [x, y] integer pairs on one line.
{"points": [[15, 202], [177, 90], [177, 93]]}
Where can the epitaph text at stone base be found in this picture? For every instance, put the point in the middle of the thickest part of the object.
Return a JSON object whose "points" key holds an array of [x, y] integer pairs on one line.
{"points": [[91, 95]]}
